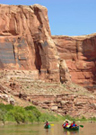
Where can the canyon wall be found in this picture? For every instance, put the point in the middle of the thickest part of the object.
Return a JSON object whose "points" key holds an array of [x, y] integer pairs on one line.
{"points": [[26, 43], [28, 53], [80, 57]]}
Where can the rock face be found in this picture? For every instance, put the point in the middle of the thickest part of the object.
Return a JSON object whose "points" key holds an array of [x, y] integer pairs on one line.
{"points": [[66, 104], [64, 72], [26, 44], [64, 99], [25, 41], [80, 57], [28, 53]]}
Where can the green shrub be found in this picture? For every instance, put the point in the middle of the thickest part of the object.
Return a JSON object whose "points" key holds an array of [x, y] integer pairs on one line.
{"points": [[69, 118], [6, 107], [83, 118], [93, 118], [49, 117], [30, 116], [34, 111], [3, 113], [30, 108], [19, 114]]}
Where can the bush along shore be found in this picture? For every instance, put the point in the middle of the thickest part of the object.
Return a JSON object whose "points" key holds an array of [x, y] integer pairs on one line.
{"points": [[18, 114]]}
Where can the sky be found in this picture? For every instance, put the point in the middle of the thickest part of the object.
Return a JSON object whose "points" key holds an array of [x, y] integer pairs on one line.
{"points": [[66, 17]]}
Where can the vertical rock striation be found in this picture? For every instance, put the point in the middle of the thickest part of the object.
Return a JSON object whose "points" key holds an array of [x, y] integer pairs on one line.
{"points": [[80, 57], [26, 44], [25, 41]]}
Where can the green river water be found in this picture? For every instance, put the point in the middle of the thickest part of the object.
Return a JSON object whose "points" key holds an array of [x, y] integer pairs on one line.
{"points": [[38, 129]]}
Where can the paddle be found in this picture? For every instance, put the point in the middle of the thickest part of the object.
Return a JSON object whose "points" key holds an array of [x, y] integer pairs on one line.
{"points": [[52, 124], [81, 126]]}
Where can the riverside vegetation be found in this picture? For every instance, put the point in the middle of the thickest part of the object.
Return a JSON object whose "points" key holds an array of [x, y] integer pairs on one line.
{"points": [[31, 114], [20, 114]]}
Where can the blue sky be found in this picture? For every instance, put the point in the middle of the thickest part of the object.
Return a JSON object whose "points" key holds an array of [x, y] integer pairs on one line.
{"points": [[66, 17]]}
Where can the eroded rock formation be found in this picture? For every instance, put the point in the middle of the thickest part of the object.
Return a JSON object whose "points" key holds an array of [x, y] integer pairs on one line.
{"points": [[64, 72], [80, 57], [25, 41], [26, 44], [30, 56], [67, 104]]}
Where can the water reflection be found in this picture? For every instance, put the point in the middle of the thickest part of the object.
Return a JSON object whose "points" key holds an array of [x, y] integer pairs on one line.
{"points": [[57, 130], [38, 129], [71, 132]]}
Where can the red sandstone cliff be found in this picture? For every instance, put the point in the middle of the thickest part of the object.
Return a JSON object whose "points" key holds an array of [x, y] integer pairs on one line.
{"points": [[26, 44], [28, 52], [25, 41], [80, 57]]}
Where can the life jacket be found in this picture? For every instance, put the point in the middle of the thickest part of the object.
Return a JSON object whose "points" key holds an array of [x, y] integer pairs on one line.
{"points": [[73, 125], [66, 124], [47, 124]]}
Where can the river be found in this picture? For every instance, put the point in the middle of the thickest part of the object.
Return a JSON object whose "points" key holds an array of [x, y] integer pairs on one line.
{"points": [[38, 129]]}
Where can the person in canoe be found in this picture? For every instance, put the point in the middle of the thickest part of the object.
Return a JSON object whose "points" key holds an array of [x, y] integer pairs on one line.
{"points": [[47, 125], [73, 125], [66, 124]]}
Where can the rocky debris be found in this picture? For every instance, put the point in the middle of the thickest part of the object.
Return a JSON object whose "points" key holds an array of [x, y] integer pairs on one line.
{"points": [[54, 108], [64, 99], [9, 99], [62, 104], [5, 97]]}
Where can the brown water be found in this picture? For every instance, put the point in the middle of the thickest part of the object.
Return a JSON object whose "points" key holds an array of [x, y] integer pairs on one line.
{"points": [[38, 129]]}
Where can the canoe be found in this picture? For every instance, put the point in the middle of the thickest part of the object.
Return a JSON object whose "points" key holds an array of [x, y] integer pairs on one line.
{"points": [[47, 126], [72, 129]]}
